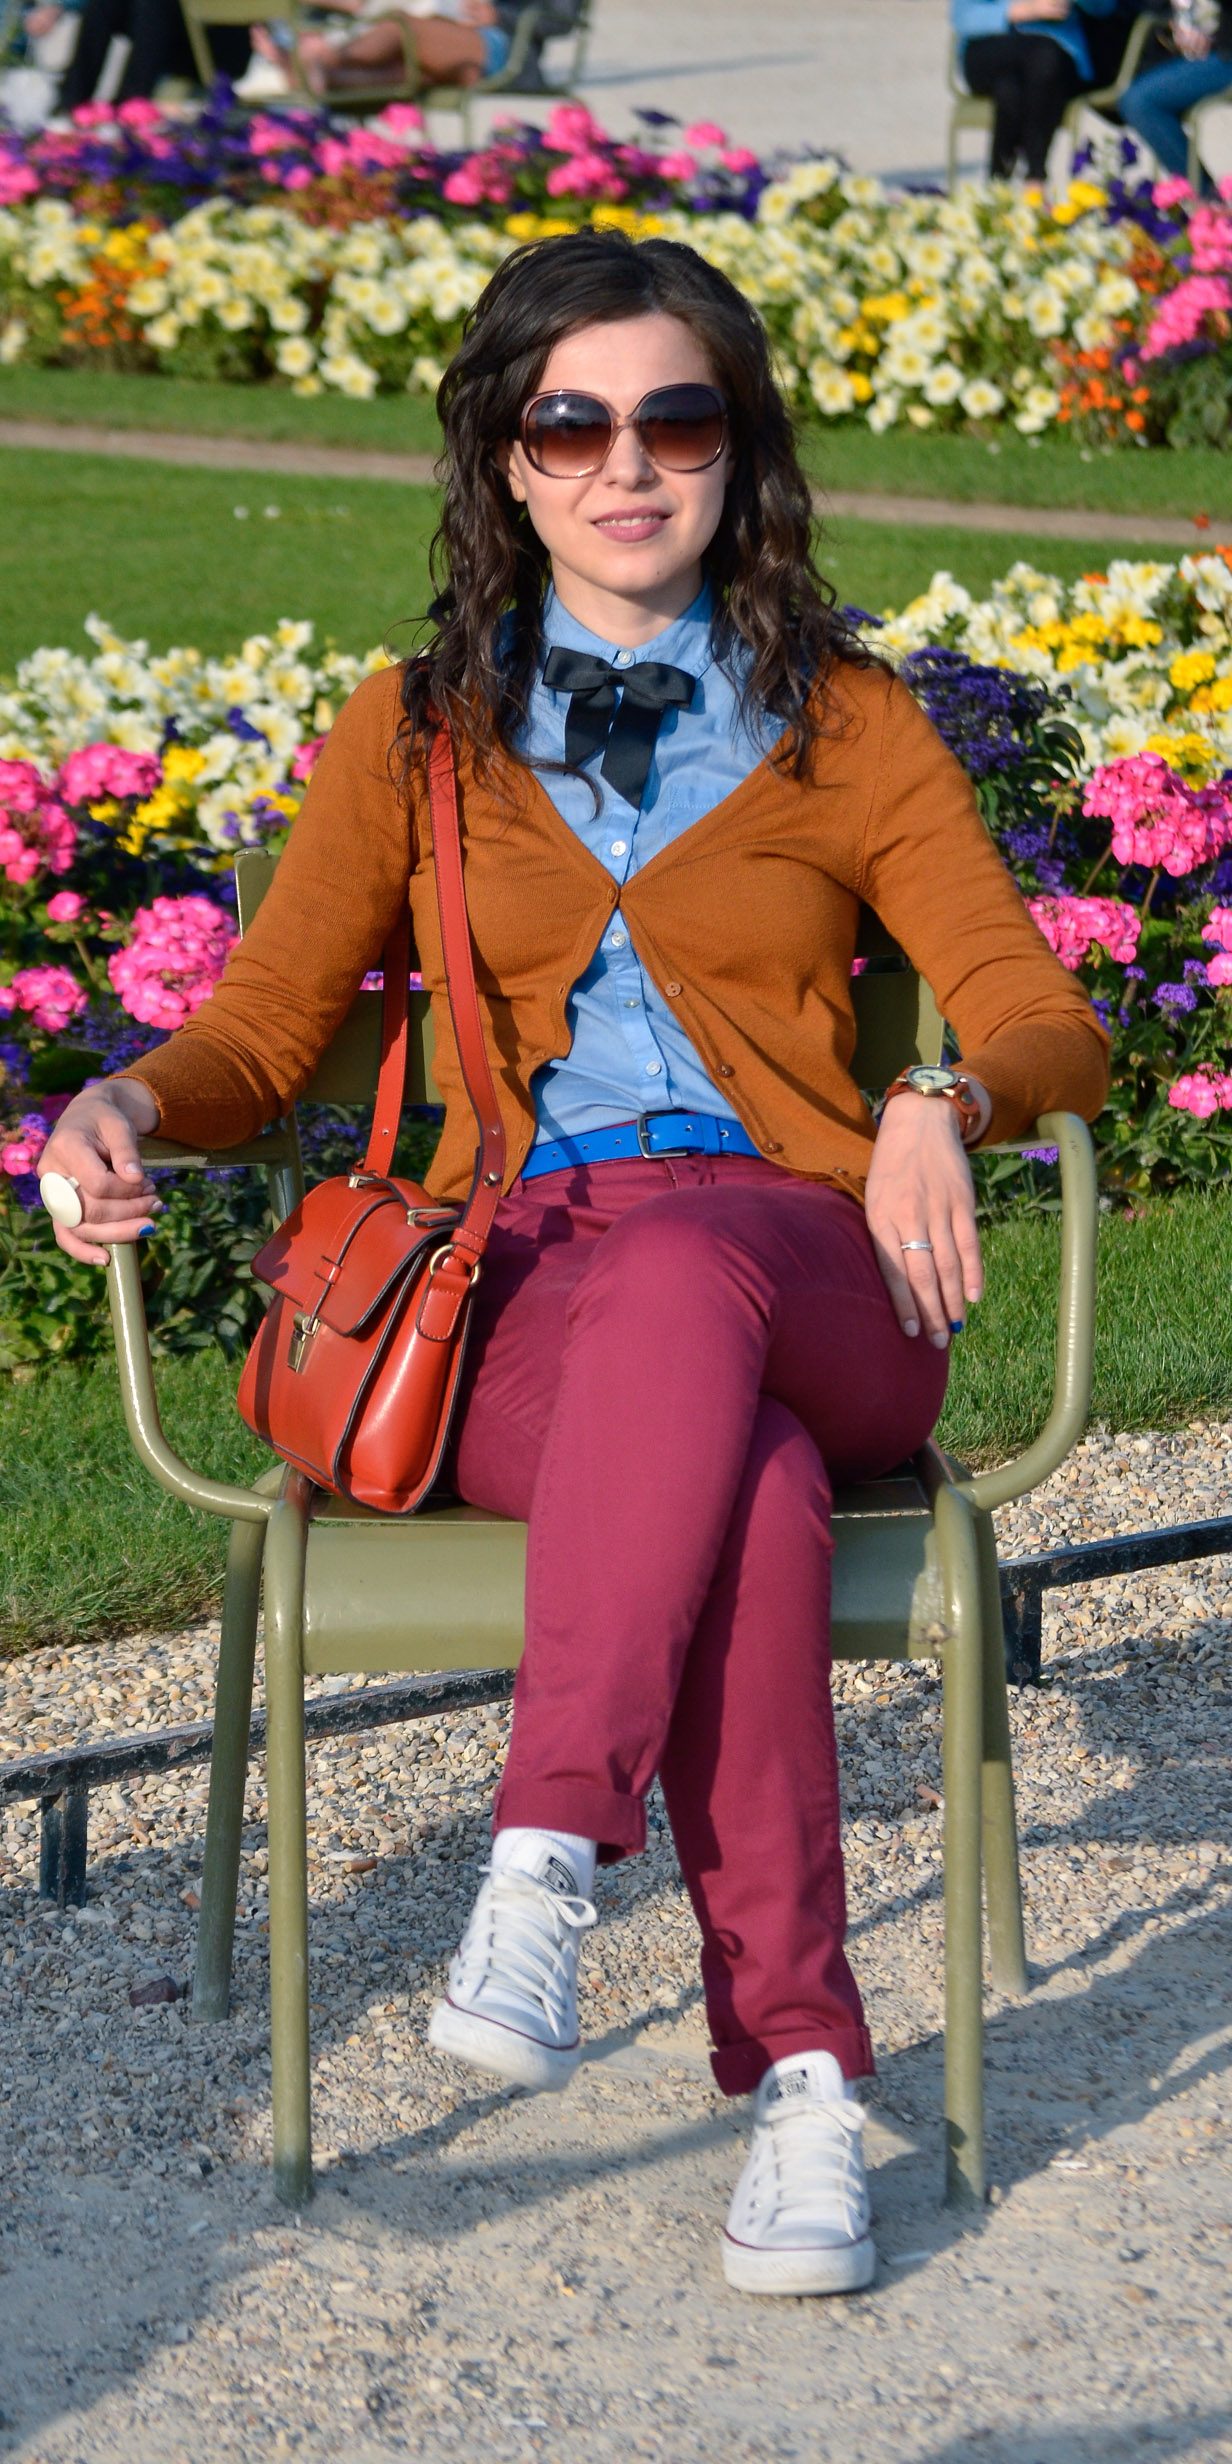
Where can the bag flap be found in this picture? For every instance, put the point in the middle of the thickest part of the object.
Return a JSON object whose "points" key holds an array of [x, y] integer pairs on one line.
{"points": [[344, 1250]]}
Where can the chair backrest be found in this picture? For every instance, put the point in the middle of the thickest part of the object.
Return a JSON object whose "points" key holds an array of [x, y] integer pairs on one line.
{"points": [[198, 14], [897, 1021]]}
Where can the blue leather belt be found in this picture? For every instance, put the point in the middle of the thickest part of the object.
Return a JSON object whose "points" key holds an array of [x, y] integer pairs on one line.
{"points": [[651, 1134]]}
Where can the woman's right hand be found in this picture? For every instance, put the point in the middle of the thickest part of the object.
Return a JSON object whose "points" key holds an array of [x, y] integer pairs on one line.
{"points": [[94, 1143], [1021, 12]]}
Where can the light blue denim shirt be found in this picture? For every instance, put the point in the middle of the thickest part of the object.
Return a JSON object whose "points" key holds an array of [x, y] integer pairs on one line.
{"points": [[629, 1053], [970, 18]]}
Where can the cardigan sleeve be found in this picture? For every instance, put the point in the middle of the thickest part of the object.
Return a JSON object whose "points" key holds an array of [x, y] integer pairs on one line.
{"points": [[1025, 1028], [243, 1057]]}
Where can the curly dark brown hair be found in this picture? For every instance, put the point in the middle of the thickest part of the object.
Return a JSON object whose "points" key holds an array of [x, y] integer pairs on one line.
{"points": [[488, 563]]}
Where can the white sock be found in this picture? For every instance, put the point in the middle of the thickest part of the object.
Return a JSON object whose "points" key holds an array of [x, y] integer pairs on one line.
{"points": [[523, 1848]]}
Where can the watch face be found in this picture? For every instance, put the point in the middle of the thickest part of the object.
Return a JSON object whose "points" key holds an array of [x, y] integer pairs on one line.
{"points": [[927, 1081]]}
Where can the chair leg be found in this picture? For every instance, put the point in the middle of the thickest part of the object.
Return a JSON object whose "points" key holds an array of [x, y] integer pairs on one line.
{"points": [[963, 1752], [1002, 1882], [285, 1546], [228, 1770]]}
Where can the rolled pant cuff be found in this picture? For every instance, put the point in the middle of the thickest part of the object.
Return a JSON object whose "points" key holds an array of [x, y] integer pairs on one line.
{"points": [[617, 1823], [738, 2068]]}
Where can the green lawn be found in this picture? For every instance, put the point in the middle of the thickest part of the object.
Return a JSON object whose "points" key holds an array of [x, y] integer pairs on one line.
{"points": [[160, 553], [89, 1545], [1016, 470]]}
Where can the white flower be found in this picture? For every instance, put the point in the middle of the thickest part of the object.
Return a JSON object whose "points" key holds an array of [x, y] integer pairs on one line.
{"points": [[12, 342], [163, 333], [1045, 311], [981, 399], [294, 357], [831, 389], [883, 411], [349, 374], [944, 385]]}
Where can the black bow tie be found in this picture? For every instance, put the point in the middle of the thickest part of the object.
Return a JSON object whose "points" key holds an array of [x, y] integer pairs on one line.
{"points": [[629, 733]]}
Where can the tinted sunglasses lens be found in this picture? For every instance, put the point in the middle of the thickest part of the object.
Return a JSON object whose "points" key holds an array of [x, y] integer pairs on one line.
{"points": [[682, 427], [566, 435]]}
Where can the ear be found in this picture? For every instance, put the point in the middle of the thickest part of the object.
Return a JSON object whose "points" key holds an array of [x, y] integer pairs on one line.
{"points": [[507, 465]]}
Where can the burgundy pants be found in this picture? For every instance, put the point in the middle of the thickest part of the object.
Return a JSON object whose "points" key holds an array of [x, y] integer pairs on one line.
{"points": [[669, 1362]]}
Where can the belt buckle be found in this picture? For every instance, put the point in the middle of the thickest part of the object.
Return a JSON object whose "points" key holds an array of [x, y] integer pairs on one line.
{"points": [[658, 1153]]}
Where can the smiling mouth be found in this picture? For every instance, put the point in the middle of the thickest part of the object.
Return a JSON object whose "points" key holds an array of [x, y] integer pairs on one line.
{"points": [[631, 526]]}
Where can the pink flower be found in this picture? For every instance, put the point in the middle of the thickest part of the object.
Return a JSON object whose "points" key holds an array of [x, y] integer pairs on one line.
{"points": [[108, 770], [738, 158], [1172, 191], [1202, 1092], [462, 187], [65, 907], [268, 136], [177, 952], [22, 1153], [333, 158], [17, 181], [1219, 968], [50, 995], [401, 120], [1218, 927], [92, 115], [36, 833], [571, 129], [678, 166], [305, 761], [140, 113], [1071, 925], [705, 132], [1158, 820], [1179, 317], [1210, 240]]}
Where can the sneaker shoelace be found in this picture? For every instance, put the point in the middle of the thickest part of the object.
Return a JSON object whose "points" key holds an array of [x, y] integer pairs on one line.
{"points": [[806, 2157], [525, 1938]]}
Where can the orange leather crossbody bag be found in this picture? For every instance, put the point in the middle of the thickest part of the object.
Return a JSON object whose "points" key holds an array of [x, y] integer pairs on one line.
{"points": [[353, 1374]]}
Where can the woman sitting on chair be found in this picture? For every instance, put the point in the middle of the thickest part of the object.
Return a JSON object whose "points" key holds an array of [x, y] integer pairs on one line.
{"points": [[715, 1285], [1155, 105], [1030, 58], [450, 50]]}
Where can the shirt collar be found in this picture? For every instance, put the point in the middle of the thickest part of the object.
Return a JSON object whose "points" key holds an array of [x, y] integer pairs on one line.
{"points": [[686, 643]]}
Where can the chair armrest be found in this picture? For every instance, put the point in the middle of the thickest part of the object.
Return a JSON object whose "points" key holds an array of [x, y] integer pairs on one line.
{"points": [[132, 1343], [524, 32], [1071, 1396]]}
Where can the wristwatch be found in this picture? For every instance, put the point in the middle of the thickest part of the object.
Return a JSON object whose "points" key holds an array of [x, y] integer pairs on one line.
{"points": [[950, 1083]]}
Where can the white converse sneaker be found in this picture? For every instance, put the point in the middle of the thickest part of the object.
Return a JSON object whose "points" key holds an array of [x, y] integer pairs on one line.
{"points": [[799, 2217], [511, 2006]]}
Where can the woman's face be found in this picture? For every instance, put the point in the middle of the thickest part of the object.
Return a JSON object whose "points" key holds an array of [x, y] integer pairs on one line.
{"points": [[627, 542]]}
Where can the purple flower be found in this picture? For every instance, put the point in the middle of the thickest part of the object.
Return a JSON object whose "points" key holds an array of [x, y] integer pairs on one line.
{"points": [[1175, 998], [987, 715], [1040, 1154], [1196, 971]]}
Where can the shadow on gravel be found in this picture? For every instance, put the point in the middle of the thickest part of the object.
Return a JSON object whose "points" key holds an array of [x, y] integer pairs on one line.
{"points": [[1083, 2444]]}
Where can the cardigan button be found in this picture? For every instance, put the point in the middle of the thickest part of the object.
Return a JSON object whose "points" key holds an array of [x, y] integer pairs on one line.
{"points": [[771, 1146], [725, 1070]]}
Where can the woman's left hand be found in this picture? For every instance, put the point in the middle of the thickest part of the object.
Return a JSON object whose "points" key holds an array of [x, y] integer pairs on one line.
{"points": [[920, 1191]]}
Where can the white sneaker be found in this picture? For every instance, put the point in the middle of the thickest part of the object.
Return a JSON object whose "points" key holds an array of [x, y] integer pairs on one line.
{"points": [[511, 2006], [799, 2217]]}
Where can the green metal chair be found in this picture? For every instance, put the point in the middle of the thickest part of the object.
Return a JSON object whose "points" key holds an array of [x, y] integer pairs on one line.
{"points": [[969, 110], [915, 1577], [522, 74]]}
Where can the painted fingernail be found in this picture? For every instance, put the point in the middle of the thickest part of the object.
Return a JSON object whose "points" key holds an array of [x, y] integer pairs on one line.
{"points": [[942, 1342], [956, 1326], [143, 1228], [911, 1326]]}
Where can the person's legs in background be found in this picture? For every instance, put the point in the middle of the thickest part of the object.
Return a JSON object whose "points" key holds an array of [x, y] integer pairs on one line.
{"points": [[1154, 106], [1029, 80]]}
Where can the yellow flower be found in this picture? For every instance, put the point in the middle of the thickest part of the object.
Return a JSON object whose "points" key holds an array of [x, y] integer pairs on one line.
{"points": [[1216, 696], [1140, 633], [1193, 667], [183, 762], [861, 386], [888, 307], [1196, 760]]}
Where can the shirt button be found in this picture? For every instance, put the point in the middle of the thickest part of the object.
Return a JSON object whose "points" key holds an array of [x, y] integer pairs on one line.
{"points": [[619, 941], [620, 846], [672, 989], [632, 1003], [654, 1069], [623, 658]]}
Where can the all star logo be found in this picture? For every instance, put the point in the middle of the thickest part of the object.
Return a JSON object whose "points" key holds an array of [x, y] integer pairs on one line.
{"points": [[795, 2083], [557, 1876]]}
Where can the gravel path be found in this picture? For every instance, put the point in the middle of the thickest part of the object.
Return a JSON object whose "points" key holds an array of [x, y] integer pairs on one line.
{"points": [[490, 2276], [241, 453]]}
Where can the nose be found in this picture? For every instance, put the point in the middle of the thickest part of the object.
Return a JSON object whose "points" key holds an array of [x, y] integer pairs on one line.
{"points": [[628, 464]]}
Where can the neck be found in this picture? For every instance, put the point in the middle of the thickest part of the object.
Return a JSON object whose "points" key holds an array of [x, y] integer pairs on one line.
{"points": [[626, 620]]}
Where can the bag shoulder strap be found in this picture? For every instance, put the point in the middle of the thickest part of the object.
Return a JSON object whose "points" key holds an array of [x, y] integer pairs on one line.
{"points": [[472, 1232]]}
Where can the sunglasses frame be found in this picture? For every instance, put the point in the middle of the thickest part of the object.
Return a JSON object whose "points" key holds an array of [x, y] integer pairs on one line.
{"points": [[581, 393]]}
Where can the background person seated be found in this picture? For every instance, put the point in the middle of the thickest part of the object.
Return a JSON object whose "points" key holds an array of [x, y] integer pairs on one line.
{"points": [[160, 49], [1153, 106], [1031, 58], [450, 49]]}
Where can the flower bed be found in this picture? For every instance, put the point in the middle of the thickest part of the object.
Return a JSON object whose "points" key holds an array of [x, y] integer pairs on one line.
{"points": [[297, 252], [1095, 722]]}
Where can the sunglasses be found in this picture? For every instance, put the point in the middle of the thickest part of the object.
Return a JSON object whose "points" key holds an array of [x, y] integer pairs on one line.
{"points": [[570, 435]]}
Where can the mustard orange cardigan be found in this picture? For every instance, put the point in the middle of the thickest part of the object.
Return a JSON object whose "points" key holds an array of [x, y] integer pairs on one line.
{"points": [[746, 923]]}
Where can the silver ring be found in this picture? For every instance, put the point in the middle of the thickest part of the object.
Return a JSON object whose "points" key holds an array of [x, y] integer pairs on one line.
{"points": [[915, 1245]]}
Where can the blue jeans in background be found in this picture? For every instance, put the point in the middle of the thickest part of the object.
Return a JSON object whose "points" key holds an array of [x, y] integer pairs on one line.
{"points": [[1153, 106]]}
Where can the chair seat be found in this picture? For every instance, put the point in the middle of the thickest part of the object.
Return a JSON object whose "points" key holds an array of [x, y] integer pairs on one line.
{"points": [[446, 1588]]}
